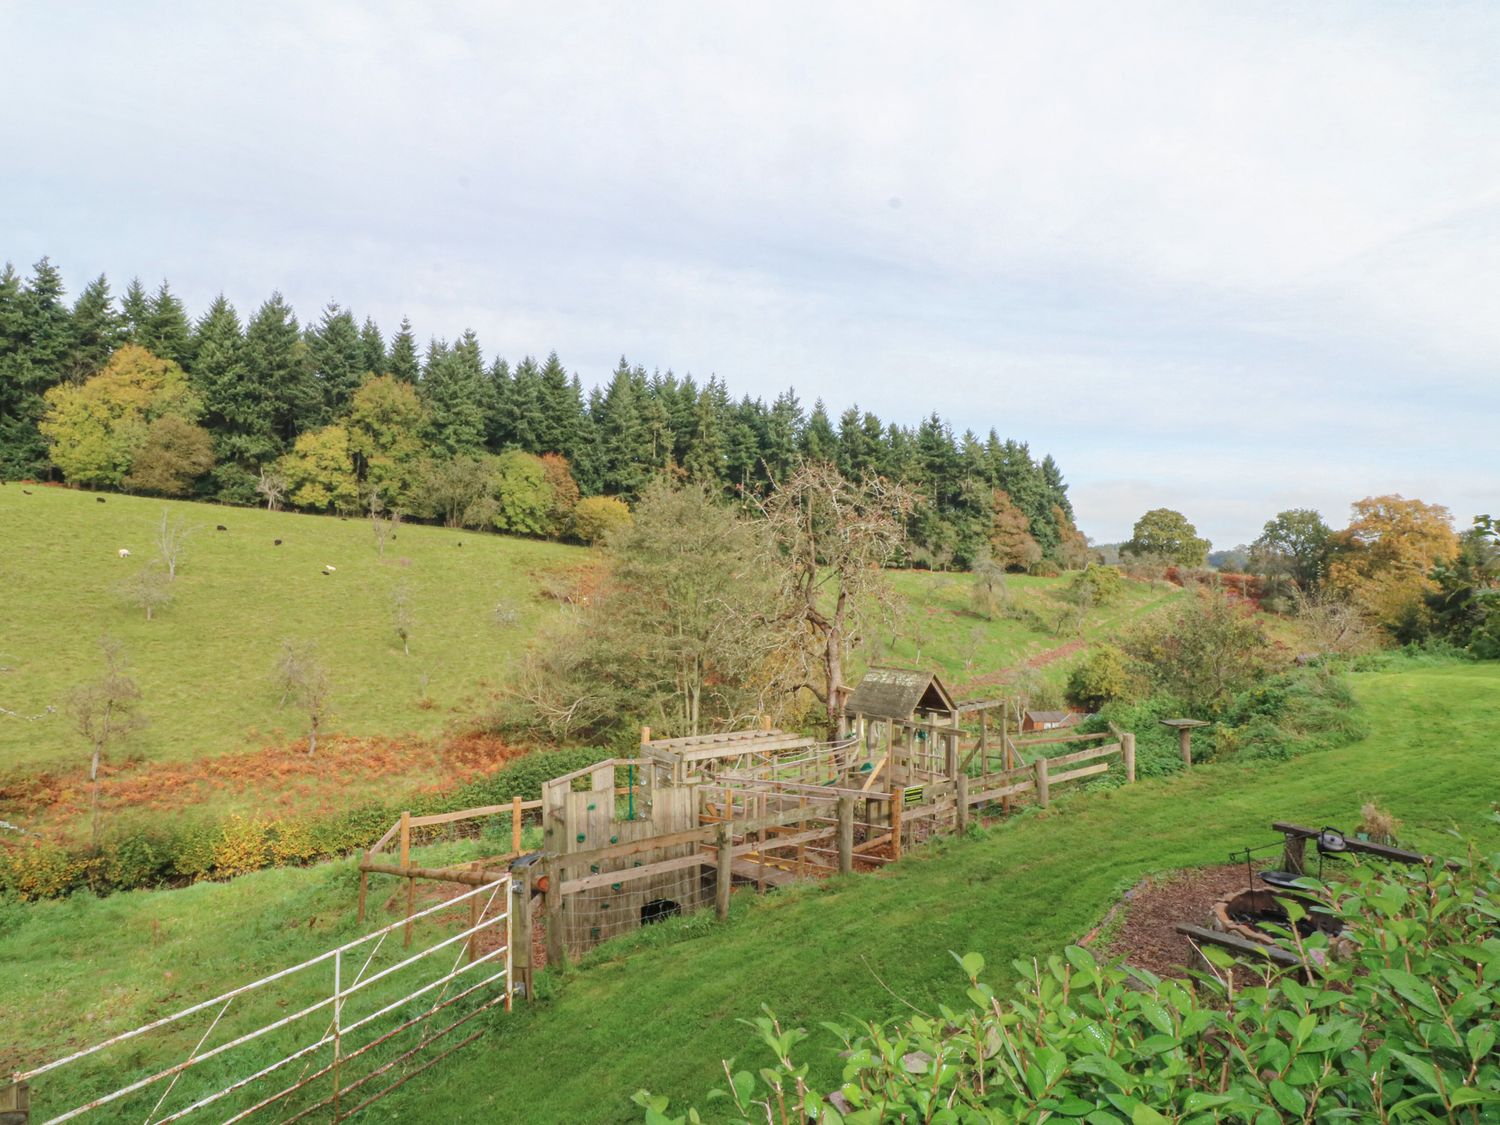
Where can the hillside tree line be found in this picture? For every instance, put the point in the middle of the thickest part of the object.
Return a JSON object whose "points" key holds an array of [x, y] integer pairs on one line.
{"points": [[334, 415]]}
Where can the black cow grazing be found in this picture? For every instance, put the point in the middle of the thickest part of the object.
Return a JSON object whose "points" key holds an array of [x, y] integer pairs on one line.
{"points": [[276, 542], [99, 499], [27, 491], [221, 527]]}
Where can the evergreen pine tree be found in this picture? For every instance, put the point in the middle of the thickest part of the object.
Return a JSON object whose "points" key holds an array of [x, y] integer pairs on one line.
{"points": [[704, 459], [403, 363], [166, 332], [819, 442], [97, 331], [453, 386], [561, 408], [135, 306], [625, 447], [282, 397], [497, 433], [337, 356], [41, 335], [372, 358], [524, 410]]}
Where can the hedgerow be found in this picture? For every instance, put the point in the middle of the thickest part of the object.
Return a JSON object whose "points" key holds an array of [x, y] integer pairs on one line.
{"points": [[190, 850]]}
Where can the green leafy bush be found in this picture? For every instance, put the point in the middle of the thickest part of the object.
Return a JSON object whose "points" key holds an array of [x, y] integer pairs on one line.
{"points": [[1393, 1021], [1101, 677]]}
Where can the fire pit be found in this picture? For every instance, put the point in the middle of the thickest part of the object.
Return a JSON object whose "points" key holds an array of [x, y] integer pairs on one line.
{"points": [[1258, 915]]}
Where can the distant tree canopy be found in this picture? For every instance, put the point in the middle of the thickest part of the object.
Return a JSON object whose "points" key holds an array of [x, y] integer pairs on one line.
{"points": [[1294, 544], [1165, 535], [346, 413]]}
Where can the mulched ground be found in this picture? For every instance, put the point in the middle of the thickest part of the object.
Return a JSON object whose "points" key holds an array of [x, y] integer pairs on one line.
{"points": [[1145, 937]]}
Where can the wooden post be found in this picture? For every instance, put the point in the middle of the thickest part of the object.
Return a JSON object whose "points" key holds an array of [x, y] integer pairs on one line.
{"points": [[760, 807], [984, 744], [951, 763], [364, 883], [1185, 744], [1043, 792], [802, 827], [962, 817], [846, 835], [1127, 748], [15, 1103], [1294, 854], [725, 877], [520, 928], [557, 946], [898, 797], [515, 825], [411, 884]]}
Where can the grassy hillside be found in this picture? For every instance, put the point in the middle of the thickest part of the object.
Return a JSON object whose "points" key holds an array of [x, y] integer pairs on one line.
{"points": [[202, 664], [942, 629], [660, 1009]]}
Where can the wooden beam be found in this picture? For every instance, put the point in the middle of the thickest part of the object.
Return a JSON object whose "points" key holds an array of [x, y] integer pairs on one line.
{"points": [[1083, 755], [1366, 847], [1074, 775], [1236, 944]]}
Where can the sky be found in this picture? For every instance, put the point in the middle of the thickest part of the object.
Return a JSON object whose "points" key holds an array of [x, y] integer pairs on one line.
{"points": [[1224, 258]]}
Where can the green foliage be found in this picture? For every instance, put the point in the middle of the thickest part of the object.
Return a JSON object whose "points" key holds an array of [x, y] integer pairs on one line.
{"points": [[1103, 676], [597, 517], [1165, 536], [1396, 1022], [524, 498], [96, 430], [1293, 545], [175, 454], [319, 471], [1201, 652]]}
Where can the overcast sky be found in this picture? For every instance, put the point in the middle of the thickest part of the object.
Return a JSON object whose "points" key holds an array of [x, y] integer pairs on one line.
{"points": [[1224, 258]]}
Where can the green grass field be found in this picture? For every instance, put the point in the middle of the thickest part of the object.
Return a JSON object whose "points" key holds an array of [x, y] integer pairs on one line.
{"points": [[942, 630], [659, 1009], [203, 663]]}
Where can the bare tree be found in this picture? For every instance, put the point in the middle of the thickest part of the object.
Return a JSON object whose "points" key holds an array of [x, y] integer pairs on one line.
{"points": [[402, 618], [103, 712], [989, 595], [383, 521], [302, 678], [828, 540], [1332, 624], [172, 534], [148, 588], [272, 485]]}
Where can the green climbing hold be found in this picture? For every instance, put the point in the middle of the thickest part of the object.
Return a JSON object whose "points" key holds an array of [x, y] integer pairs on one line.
{"points": [[592, 806], [594, 868], [581, 837], [614, 839], [614, 886]]}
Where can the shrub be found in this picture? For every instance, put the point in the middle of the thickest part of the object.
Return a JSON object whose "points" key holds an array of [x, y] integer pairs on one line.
{"points": [[595, 518], [1103, 676], [1397, 1024]]}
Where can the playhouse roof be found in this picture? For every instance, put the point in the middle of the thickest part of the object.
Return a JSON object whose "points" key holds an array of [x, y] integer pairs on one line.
{"points": [[895, 693]]}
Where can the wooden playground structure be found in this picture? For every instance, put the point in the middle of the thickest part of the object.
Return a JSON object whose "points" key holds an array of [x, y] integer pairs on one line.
{"points": [[627, 841]]}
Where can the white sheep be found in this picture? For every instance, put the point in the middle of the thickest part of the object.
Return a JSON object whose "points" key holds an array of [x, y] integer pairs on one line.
{"points": [[329, 568], [124, 552]]}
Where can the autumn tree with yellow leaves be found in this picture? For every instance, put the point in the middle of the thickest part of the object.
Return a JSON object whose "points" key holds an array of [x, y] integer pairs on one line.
{"points": [[1383, 561]]}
